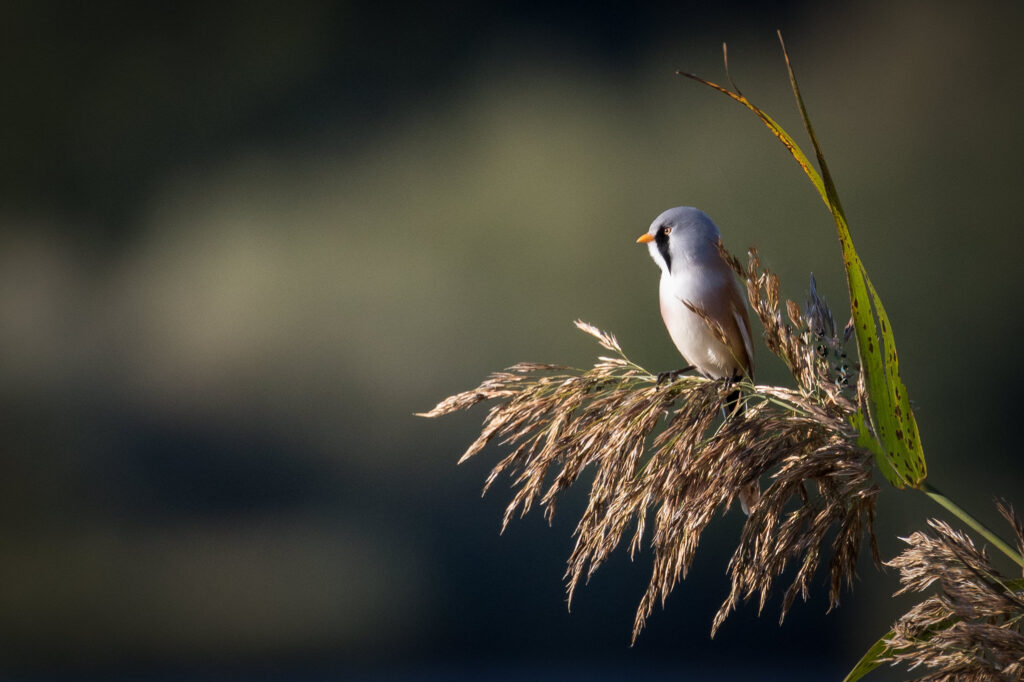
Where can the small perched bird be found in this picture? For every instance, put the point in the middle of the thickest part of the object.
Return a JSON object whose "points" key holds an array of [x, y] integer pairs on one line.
{"points": [[684, 243]]}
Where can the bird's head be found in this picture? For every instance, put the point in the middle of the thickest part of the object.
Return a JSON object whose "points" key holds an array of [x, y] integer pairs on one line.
{"points": [[681, 235]]}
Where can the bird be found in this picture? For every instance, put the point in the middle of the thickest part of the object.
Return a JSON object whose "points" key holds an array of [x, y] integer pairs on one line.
{"points": [[683, 242]]}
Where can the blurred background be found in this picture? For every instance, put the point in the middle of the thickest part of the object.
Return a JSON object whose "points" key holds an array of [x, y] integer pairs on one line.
{"points": [[242, 243]]}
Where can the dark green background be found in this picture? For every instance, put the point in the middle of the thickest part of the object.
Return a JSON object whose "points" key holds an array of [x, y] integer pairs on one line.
{"points": [[241, 243]]}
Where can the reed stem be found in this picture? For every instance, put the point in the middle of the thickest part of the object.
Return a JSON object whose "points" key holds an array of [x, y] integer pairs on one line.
{"points": [[977, 525]]}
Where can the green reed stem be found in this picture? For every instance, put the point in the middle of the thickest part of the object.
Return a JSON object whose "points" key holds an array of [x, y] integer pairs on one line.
{"points": [[977, 525]]}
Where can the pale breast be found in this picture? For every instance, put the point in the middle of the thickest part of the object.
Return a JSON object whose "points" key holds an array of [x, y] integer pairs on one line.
{"points": [[691, 333]]}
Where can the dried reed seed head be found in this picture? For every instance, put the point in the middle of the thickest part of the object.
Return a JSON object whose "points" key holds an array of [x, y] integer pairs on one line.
{"points": [[819, 316], [1008, 513], [663, 464], [733, 262], [794, 313], [970, 629], [607, 341], [712, 323]]}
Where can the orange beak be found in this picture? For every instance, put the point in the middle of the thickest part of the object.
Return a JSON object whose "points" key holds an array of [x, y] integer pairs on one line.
{"points": [[645, 238]]}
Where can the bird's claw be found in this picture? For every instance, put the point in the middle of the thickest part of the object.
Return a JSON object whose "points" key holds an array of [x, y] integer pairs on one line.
{"points": [[672, 375]]}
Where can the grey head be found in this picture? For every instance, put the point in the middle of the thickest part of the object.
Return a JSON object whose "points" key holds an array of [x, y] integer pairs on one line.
{"points": [[680, 236]]}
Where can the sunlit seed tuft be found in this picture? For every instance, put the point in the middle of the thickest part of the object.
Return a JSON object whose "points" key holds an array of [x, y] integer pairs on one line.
{"points": [[663, 463]]}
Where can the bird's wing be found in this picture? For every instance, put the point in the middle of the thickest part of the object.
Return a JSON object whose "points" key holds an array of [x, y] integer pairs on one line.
{"points": [[739, 315]]}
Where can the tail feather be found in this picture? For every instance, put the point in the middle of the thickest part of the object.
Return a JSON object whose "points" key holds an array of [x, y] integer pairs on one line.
{"points": [[733, 404], [751, 493]]}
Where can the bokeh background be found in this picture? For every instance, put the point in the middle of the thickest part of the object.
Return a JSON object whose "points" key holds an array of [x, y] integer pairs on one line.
{"points": [[242, 243]]}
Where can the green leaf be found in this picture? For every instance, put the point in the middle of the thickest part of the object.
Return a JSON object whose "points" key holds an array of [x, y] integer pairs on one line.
{"points": [[891, 429], [869, 661], [866, 439]]}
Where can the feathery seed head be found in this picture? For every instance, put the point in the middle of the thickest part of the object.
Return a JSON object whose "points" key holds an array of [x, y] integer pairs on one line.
{"points": [[664, 462]]}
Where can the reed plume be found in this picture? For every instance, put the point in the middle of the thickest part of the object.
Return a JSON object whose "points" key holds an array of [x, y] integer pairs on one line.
{"points": [[664, 461], [971, 629]]}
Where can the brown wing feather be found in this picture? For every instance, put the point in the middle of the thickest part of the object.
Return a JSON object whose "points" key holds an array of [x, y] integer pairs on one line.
{"points": [[742, 343]]}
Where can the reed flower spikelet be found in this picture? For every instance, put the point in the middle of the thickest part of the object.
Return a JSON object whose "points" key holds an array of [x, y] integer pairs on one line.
{"points": [[664, 461], [973, 627]]}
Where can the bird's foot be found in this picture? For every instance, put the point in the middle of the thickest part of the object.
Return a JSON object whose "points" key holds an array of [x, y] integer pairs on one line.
{"points": [[673, 375], [733, 403]]}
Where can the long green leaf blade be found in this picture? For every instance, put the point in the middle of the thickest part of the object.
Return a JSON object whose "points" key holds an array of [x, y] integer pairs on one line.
{"points": [[869, 661], [893, 434], [893, 419]]}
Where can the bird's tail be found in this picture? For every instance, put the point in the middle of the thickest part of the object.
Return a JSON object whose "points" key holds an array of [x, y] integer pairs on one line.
{"points": [[750, 493], [733, 404]]}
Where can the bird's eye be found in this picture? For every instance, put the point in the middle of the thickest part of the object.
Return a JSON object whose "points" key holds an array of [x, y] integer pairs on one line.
{"points": [[666, 230]]}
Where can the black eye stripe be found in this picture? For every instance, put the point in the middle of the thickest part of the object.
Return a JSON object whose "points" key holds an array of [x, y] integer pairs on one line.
{"points": [[661, 240]]}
